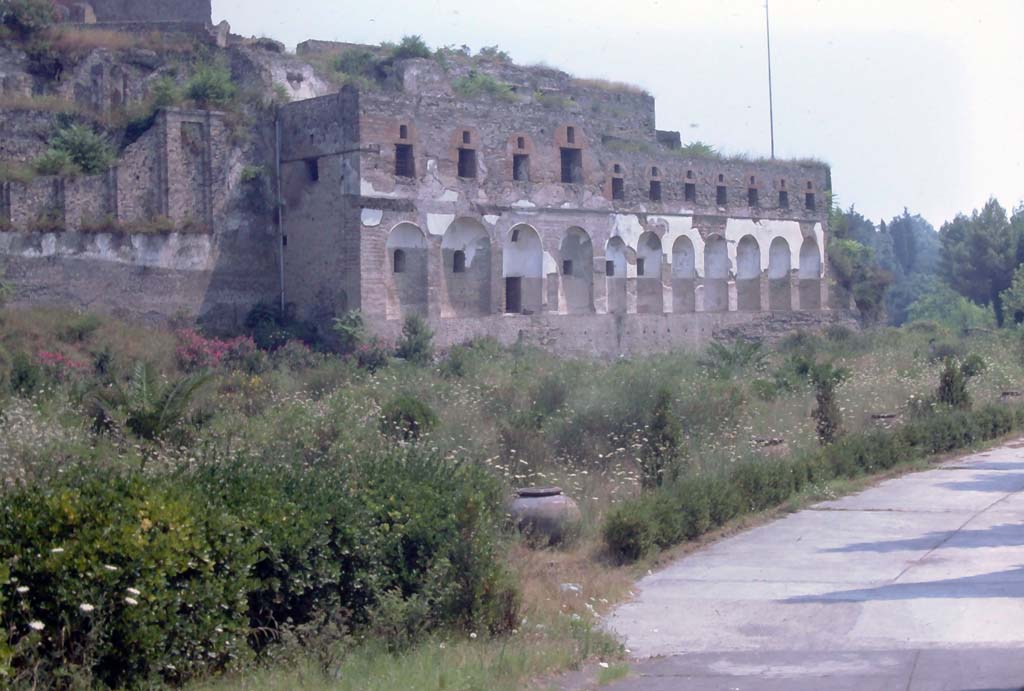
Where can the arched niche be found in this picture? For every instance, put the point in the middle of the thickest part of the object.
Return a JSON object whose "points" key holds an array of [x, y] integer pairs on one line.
{"points": [[684, 275], [780, 259], [406, 271], [748, 274], [615, 254], [810, 275], [577, 271], [466, 255], [649, 290], [523, 270], [716, 275]]}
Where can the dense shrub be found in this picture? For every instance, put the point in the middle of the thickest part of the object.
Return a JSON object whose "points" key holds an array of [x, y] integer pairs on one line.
{"points": [[953, 386], [693, 504], [373, 355], [130, 580], [136, 581], [407, 417], [27, 17], [350, 331], [26, 376], [827, 415], [411, 47], [211, 85], [79, 328], [417, 342], [197, 352]]}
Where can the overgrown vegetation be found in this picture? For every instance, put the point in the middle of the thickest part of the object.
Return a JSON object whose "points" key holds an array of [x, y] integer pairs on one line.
{"points": [[332, 509], [479, 84]]}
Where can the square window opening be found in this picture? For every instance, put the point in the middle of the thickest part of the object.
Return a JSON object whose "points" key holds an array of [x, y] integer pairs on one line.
{"points": [[752, 197], [722, 196], [513, 295], [459, 262], [655, 191], [567, 267], [398, 263], [465, 137], [690, 192], [609, 269], [570, 135], [403, 132], [572, 166], [313, 169], [641, 266], [405, 162], [783, 199], [809, 201], [521, 143], [467, 163], [521, 168]]}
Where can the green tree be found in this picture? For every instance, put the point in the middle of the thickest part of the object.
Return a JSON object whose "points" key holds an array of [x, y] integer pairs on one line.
{"points": [[1013, 297], [855, 270], [980, 253], [417, 342], [350, 330], [940, 303], [953, 385], [663, 440], [828, 418], [146, 405]]}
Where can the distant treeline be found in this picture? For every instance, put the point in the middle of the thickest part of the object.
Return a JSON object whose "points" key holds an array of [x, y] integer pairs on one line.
{"points": [[966, 275]]}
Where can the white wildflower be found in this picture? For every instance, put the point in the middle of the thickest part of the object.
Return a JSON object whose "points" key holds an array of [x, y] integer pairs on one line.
{"points": [[443, 646], [472, 636], [57, 550], [36, 625], [131, 601], [22, 589], [133, 591], [86, 607], [109, 567]]}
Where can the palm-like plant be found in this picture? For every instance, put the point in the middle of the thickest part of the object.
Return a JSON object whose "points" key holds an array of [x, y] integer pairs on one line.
{"points": [[147, 406]]}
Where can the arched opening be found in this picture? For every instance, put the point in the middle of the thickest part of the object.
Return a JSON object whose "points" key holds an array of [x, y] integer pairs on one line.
{"points": [[748, 275], [684, 275], [716, 275], [779, 266], [810, 275], [649, 291], [523, 268], [466, 253], [407, 289], [615, 272], [577, 253]]}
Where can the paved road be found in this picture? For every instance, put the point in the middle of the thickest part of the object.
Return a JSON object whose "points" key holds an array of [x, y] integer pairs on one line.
{"points": [[914, 585]]}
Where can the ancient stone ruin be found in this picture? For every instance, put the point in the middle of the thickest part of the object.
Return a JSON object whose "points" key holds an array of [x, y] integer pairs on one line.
{"points": [[542, 208]]}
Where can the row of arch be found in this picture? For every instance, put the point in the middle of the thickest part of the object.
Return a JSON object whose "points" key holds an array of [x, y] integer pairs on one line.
{"points": [[640, 279]]}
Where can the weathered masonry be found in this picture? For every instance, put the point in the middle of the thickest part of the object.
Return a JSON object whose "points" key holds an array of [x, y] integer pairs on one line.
{"points": [[576, 225]]}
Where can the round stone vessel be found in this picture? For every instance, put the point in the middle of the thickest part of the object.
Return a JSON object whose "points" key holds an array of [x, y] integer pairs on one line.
{"points": [[544, 514]]}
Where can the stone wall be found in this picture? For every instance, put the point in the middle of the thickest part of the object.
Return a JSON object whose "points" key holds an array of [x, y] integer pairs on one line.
{"points": [[611, 336], [194, 11]]}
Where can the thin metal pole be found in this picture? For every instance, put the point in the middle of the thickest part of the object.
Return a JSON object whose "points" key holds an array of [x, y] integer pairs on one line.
{"points": [[771, 97]]}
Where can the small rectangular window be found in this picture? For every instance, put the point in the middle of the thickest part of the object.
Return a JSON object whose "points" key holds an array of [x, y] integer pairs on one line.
{"points": [[405, 163], [752, 197], [723, 195], [465, 137], [609, 269], [521, 168], [313, 169], [403, 132], [783, 199], [459, 262], [655, 190], [520, 142], [467, 163], [809, 201], [618, 188], [640, 266], [690, 192], [572, 166], [567, 267], [570, 135]]}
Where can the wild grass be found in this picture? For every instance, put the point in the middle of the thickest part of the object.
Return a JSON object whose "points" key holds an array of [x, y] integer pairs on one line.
{"points": [[525, 416]]}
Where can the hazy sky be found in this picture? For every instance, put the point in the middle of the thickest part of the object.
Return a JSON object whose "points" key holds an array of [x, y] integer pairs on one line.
{"points": [[916, 103]]}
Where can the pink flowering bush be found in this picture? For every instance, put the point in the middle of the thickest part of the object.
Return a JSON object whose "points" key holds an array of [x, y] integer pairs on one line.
{"points": [[196, 352], [58, 367]]}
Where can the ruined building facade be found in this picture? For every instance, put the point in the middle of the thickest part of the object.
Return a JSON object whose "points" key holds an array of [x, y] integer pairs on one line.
{"points": [[491, 199], [578, 225]]}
